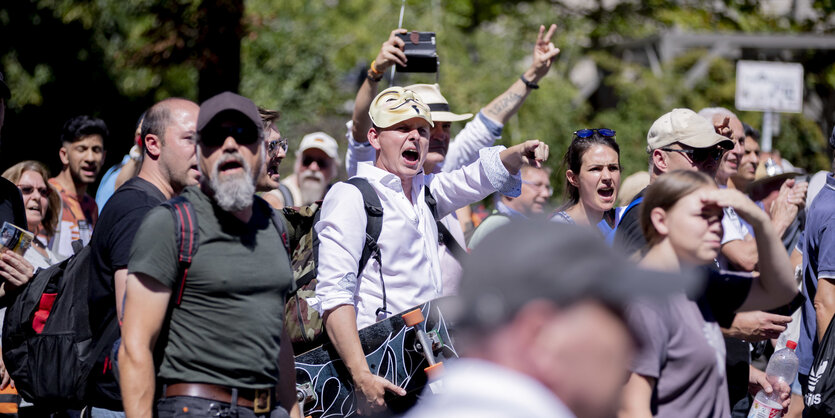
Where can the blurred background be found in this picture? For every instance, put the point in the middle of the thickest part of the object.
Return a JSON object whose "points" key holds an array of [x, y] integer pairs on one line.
{"points": [[623, 64]]}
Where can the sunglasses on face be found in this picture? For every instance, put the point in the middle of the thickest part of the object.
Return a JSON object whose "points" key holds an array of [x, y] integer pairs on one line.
{"points": [[217, 135], [585, 133], [700, 155], [323, 163], [274, 146], [26, 190]]}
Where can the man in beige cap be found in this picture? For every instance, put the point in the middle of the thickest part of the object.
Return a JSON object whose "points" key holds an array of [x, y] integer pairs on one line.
{"points": [[408, 272], [678, 140], [317, 162], [445, 155]]}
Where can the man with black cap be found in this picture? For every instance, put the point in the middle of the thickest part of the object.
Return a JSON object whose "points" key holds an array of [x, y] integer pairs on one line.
{"points": [[407, 272], [541, 330], [224, 353]]}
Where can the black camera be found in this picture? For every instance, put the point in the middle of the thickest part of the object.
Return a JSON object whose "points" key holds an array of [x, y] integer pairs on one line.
{"points": [[421, 52]]}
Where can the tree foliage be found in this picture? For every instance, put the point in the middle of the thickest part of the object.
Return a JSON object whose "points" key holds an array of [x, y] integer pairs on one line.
{"points": [[306, 58]]}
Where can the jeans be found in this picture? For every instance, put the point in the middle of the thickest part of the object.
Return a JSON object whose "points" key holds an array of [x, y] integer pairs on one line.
{"points": [[105, 413], [186, 406]]}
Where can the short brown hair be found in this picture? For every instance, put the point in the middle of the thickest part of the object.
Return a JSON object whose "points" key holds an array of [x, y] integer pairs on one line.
{"points": [[668, 189]]}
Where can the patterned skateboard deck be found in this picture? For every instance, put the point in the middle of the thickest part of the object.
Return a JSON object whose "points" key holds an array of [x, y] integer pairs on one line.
{"points": [[391, 351]]}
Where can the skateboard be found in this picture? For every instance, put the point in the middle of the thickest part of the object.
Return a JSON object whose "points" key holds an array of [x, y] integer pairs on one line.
{"points": [[407, 349]]}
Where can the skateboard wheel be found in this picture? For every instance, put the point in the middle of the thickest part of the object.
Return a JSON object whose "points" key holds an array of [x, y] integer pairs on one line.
{"points": [[413, 318], [435, 371]]}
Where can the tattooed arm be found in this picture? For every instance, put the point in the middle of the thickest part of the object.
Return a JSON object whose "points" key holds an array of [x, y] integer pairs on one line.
{"points": [[508, 103]]}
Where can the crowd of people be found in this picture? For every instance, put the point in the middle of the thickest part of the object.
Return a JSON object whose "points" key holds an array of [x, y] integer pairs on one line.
{"points": [[664, 304]]}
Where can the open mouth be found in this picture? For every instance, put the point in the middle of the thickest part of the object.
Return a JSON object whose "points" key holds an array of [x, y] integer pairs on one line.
{"points": [[272, 169], [411, 156], [232, 165], [606, 193]]}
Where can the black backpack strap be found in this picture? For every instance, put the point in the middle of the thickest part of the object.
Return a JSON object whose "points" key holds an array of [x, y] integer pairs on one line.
{"points": [[286, 195], [281, 227], [444, 236], [185, 228], [374, 224], [373, 227]]}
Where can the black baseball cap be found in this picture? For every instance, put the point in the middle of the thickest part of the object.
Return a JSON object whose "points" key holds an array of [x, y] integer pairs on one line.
{"points": [[227, 102], [527, 260], [5, 93]]}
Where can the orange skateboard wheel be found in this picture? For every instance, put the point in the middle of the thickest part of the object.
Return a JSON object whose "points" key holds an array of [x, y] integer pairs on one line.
{"points": [[413, 318], [435, 371]]}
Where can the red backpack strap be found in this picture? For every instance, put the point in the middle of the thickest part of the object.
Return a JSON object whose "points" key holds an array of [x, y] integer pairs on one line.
{"points": [[185, 229]]}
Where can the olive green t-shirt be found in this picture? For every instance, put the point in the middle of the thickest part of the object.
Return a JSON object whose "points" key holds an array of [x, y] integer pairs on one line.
{"points": [[227, 329]]}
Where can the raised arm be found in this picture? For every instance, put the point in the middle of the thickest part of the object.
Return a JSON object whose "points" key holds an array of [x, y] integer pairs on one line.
{"points": [[508, 103], [391, 52], [775, 285]]}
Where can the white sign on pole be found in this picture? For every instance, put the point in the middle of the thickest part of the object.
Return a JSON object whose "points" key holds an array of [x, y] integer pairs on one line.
{"points": [[769, 86]]}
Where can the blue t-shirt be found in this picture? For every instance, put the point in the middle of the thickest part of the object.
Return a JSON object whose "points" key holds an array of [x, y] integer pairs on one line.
{"points": [[818, 261]]}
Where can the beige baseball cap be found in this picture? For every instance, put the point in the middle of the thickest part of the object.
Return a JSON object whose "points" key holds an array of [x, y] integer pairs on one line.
{"points": [[438, 106], [396, 104], [322, 141], [685, 127]]}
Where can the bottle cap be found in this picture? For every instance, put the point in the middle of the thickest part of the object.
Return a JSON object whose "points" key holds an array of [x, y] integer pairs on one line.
{"points": [[791, 345]]}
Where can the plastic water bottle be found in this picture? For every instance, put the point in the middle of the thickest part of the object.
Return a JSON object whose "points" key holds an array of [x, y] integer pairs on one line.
{"points": [[781, 368]]}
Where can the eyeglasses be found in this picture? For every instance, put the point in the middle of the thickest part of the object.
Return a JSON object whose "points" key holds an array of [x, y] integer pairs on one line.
{"points": [[585, 133], [540, 186], [273, 146], [700, 155], [216, 136], [323, 163], [26, 190]]}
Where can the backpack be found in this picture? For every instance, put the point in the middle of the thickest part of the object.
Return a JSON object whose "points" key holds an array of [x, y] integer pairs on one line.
{"points": [[819, 393], [304, 325], [50, 355]]}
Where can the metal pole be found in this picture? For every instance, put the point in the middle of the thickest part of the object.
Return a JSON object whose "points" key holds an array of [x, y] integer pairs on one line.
{"points": [[765, 138]]}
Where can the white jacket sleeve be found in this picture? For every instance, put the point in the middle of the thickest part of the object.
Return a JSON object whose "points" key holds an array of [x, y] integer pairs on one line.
{"points": [[474, 182], [476, 135], [341, 230]]}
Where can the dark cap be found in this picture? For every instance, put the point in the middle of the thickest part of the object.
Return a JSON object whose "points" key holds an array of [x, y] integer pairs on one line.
{"points": [[4, 89], [225, 102], [528, 260]]}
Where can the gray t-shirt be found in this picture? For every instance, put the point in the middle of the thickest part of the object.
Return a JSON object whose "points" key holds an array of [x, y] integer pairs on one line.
{"points": [[227, 329], [686, 356]]}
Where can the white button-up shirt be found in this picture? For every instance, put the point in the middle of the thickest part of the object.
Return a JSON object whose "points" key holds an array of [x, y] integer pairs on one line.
{"points": [[408, 241]]}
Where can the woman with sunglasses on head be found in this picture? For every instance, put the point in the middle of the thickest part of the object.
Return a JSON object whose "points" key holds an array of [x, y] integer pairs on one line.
{"points": [[43, 207], [680, 368], [592, 178]]}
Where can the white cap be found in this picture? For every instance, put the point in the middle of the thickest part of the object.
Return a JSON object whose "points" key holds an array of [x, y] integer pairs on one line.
{"points": [[322, 141]]}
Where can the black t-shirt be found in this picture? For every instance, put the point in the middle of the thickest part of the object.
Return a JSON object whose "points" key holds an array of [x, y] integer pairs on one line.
{"points": [[119, 220], [11, 204], [629, 238]]}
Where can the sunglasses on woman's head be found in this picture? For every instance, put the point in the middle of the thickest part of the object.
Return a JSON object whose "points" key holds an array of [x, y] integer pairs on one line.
{"points": [[585, 133], [26, 190]]}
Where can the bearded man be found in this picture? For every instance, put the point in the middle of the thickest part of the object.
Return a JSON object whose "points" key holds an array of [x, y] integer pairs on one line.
{"points": [[224, 353]]}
